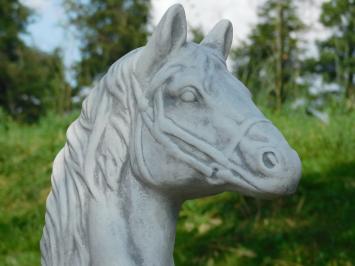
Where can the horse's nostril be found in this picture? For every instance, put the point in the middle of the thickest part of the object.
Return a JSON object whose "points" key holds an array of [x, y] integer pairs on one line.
{"points": [[270, 159]]}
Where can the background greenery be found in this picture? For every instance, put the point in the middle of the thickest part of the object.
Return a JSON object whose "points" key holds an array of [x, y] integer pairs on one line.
{"points": [[316, 226]]}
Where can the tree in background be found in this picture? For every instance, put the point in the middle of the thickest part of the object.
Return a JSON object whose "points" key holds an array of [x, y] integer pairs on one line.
{"points": [[268, 62], [108, 29], [37, 85], [336, 62], [31, 82], [197, 34]]}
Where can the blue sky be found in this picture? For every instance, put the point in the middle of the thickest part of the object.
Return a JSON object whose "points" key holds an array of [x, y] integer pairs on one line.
{"points": [[49, 29]]}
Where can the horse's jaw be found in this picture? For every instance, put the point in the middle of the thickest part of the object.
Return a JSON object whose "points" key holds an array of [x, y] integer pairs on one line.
{"points": [[132, 226]]}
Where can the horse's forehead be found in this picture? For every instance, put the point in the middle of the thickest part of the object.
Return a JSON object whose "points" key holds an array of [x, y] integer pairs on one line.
{"points": [[197, 57], [193, 64]]}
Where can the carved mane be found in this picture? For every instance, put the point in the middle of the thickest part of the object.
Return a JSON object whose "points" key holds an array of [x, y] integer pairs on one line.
{"points": [[88, 164]]}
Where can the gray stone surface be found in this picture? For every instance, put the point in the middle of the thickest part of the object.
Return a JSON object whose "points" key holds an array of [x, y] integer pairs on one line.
{"points": [[167, 123]]}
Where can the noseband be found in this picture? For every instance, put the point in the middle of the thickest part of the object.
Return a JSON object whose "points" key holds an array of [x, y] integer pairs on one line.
{"points": [[162, 127]]}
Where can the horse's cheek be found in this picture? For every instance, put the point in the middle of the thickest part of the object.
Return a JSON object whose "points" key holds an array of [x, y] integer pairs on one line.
{"points": [[161, 162]]}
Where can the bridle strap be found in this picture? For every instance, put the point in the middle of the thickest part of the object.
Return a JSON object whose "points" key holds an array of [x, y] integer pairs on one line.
{"points": [[160, 127]]}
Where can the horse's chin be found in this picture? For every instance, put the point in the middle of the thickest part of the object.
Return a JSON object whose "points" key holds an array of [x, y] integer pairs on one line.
{"points": [[250, 184]]}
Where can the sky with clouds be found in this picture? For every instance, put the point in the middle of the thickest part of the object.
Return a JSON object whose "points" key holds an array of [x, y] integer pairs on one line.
{"points": [[49, 30]]}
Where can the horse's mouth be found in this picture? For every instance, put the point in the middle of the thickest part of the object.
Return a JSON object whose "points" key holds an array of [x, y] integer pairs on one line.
{"points": [[251, 183], [262, 164]]}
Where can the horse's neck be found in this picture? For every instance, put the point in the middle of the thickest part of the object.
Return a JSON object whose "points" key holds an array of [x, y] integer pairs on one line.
{"points": [[133, 226]]}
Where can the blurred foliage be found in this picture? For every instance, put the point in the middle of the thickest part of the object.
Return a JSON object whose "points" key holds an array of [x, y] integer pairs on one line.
{"points": [[13, 20], [107, 29], [197, 34], [31, 82], [313, 227], [336, 61], [35, 85], [268, 62]]}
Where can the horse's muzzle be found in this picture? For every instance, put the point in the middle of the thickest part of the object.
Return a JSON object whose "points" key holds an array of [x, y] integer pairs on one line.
{"points": [[268, 155]]}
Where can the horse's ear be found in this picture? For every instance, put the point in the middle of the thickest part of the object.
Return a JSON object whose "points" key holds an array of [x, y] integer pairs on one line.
{"points": [[169, 35], [220, 37]]}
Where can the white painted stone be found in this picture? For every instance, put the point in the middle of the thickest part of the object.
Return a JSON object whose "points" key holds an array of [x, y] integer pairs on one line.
{"points": [[167, 123]]}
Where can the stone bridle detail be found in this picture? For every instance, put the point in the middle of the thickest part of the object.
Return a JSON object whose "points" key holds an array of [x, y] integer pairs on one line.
{"points": [[162, 128]]}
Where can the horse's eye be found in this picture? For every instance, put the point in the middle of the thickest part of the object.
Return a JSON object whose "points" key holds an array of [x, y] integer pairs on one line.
{"points": [[189, 95]]}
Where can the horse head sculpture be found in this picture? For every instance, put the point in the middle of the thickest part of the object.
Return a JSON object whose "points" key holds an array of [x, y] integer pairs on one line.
{"points": [[167, 123]]}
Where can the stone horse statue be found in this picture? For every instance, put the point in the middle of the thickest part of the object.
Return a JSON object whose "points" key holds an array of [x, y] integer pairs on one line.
{"points": [[167, 123]]}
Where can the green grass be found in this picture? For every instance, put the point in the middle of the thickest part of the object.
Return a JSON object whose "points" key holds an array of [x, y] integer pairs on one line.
{"points": [[26, 155], [316, 226]]}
